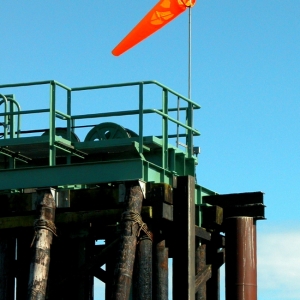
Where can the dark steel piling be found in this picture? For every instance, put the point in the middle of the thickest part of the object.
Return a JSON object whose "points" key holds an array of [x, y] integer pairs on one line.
{"points": [[160, 270], [142, 288], [128, 240]]}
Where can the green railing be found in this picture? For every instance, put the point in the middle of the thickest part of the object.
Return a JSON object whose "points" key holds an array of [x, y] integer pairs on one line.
{"points": [[54, 113]]}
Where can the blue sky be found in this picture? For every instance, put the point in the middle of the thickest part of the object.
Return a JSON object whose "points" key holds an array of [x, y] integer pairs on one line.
{"points": [[245, 75]]}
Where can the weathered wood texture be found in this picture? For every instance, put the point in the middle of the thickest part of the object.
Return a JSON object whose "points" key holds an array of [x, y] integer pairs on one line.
{"points": [[7, 258], [99, 218], [200, 265], [44, 229], [126, 254], [184, 249], [213, 258]]}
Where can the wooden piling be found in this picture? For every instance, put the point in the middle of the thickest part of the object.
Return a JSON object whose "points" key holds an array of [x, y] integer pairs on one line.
{"points": [[184, 230], [212, 257], [200, 267], [44, 230], [128, 240]]}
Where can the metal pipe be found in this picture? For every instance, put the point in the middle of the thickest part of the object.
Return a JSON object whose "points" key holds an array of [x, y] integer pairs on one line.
{"points": [[160, 271], [190, 56], [44, 230], [142, 287], [128, 240], [241, 259]]}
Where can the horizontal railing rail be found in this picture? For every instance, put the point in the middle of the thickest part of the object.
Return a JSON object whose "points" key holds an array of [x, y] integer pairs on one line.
{"points": [[162, 112]]}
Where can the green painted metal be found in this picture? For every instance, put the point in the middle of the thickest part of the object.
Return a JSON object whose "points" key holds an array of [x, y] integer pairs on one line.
{"points": [[107, 131], [53, 157], [6, 115], [74, 174]]}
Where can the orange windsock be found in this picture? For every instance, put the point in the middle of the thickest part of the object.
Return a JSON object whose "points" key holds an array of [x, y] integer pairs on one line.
{"points": [[160, 15]]}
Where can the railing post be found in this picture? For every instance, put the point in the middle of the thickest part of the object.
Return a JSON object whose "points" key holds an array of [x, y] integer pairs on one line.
{"points": [[5, 116], [141, 116], [69, 122], [190, 115], [165, 130], [52, 149]]}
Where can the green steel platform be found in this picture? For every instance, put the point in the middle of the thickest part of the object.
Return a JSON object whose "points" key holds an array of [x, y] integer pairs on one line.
{"points": [[54, 156]]}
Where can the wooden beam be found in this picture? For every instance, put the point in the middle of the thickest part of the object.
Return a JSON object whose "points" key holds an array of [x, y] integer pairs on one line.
{"points": [[212, 217], [105, 217], [184, 239], [202, 277], [200, 266], [159, 192], [202, 233]]}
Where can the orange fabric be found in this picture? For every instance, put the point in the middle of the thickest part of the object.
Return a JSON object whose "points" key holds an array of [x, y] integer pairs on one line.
{"points": [[160, 15]]}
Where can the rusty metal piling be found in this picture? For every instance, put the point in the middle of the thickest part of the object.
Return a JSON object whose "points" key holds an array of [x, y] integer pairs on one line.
{"points": [[241, 259], [44, 230]]}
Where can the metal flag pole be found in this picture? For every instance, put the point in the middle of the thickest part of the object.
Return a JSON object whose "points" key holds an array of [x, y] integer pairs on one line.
{"points": [[190, 55], [190, 142]]}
